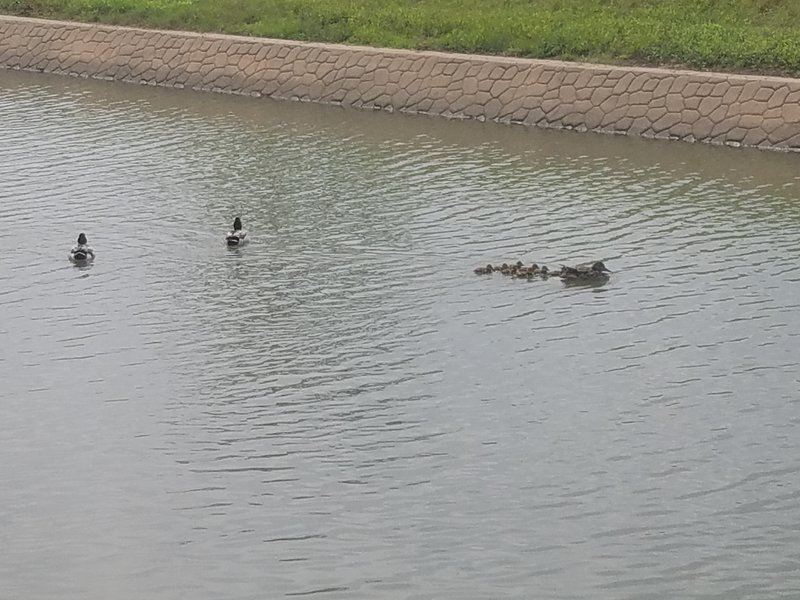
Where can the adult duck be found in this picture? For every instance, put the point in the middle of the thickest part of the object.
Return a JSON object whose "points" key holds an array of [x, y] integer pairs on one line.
{"points": [[593, 272], [238, 235], [81, 252]]}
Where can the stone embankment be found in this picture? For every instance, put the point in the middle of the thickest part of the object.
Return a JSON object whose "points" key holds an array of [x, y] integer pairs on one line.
{"points": [[737, 110]]}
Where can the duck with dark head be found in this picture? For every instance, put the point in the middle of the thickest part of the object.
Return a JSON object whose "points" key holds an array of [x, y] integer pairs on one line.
{"points": [[592, 272], [237, 236], [81, 252]]}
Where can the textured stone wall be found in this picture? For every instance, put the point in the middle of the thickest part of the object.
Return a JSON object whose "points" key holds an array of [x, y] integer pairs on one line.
{"points": [[656, 103]]}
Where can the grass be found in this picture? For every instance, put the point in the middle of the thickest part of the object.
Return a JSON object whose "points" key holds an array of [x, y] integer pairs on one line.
{"points": [[730, 35]]}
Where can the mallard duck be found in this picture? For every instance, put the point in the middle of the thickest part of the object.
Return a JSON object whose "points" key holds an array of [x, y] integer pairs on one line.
{"points": [[484, 270], [237, 236], [81, 252], [593, 272]]}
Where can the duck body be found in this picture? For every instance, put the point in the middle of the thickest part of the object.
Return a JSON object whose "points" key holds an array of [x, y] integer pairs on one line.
{"points": [[237, 236], [592, 272], [81, 253]]}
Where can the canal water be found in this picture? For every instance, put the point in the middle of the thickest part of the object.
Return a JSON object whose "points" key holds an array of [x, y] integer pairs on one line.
{"points": [[342, 409]]}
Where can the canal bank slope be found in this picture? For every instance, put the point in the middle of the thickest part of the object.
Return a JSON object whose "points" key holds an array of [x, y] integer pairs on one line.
{"points": [[737, 110]]}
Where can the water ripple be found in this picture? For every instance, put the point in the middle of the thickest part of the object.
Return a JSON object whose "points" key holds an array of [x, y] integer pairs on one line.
{"points": [[341, 408]]}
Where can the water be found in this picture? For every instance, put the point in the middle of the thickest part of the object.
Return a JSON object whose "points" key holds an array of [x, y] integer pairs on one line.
{"points": [[342, 409]]}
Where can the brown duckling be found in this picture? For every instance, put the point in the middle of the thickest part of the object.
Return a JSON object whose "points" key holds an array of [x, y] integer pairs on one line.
{"points": [[484, 270]]}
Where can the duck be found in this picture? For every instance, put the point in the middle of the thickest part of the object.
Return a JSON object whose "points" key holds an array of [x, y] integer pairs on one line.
{"points": [[488, 269], [81, 252], [527, 272], [591, 272], [505, 269], [238, 235]]}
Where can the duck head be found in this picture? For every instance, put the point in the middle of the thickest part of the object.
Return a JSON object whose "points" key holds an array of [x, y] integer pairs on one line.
{"points": [[237, 224], [82, 239], [599, 267]]}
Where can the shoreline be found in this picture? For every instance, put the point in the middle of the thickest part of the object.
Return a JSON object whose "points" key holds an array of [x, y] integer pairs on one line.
{"points": [[718, 108]]}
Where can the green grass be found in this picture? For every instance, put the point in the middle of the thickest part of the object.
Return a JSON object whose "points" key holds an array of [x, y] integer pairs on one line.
{"points": [[732, 35]]}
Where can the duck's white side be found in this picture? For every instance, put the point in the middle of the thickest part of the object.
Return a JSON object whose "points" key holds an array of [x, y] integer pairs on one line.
{"points": [[81, 252], [237, 236]]}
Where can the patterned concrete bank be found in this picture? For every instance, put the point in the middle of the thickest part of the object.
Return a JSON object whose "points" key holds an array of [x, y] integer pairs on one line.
{"points": [[724, 109]]}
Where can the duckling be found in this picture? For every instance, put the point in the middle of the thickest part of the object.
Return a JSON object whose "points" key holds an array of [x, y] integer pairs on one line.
{"points": [[586, 272], [544, 271], [238, 235], [81, 253], [484, 270]]}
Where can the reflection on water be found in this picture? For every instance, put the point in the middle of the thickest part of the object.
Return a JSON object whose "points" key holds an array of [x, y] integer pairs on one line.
{"points": [[341, 408]]}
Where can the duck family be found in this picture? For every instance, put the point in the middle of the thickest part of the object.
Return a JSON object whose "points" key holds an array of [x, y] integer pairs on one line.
{"points": [[517, 269], [81, 253], [591, 272]]}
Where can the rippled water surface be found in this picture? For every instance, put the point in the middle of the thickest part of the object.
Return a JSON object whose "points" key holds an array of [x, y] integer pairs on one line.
{"points": [[342, 409]]}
